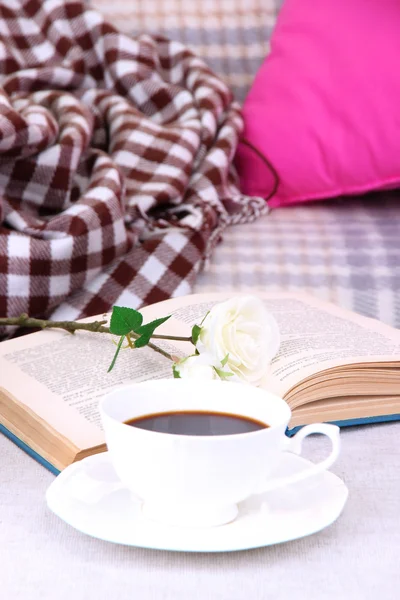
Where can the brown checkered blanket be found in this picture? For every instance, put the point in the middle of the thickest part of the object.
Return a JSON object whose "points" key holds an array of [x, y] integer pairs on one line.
{"points": [[115, 163]]}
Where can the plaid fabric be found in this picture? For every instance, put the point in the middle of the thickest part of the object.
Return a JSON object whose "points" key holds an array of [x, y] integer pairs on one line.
{"points": [[115, 163]]}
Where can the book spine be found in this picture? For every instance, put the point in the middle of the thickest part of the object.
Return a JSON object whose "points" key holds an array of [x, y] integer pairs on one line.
{"points": [[28, 450]]}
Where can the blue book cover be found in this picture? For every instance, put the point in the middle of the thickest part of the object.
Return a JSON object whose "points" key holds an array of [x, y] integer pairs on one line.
{"points": [[353, 422], [28, 450]]}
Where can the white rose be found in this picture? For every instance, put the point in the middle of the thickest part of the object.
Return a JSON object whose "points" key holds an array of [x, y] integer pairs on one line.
{"points": [[198, 366], [243, 329]]}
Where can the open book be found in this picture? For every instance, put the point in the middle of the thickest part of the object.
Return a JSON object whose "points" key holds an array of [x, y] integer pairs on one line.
{"points": [[333, 366]]}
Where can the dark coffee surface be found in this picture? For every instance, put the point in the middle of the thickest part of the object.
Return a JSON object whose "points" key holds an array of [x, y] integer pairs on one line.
{"points": [[196, 423]]}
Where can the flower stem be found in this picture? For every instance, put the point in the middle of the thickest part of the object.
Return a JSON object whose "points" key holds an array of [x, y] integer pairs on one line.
{"points": [[71, 326], [161, 351], [174, 338]]}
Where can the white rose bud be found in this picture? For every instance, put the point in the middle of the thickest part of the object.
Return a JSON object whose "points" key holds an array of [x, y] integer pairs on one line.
{"points": [[243, 330], [198, 366]]}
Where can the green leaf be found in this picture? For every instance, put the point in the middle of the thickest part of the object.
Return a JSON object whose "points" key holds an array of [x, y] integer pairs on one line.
{"points": [[124, 320], [149, 328], [223, 374], [146, 331], [116, 353], [204, 318], [225, 360], [196, 329], [175, 372], [143, 340]]}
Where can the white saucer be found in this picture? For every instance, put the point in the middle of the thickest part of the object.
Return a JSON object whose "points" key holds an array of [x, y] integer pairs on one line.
{"points": [[89, 496]]}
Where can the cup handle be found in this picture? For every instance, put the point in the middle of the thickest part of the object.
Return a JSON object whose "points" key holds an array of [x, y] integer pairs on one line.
{"points": [[294, 445]]}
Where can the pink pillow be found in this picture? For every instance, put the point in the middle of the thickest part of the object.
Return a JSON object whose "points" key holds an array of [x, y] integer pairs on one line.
{"points": [[323, 115]]}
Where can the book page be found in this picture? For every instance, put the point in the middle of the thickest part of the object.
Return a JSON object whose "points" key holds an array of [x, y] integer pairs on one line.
{"points": [[315, 335], [318, 336], [62, 377]]}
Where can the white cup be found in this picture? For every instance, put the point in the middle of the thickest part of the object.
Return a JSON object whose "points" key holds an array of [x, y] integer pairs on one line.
{"points": [[199, 480]]}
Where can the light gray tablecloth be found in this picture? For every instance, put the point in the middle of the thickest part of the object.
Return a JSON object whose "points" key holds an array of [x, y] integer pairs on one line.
{"points": [[357, 558]]}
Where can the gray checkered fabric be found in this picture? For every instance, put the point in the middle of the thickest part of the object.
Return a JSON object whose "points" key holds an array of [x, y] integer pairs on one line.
{"points": [[343, 251]]}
